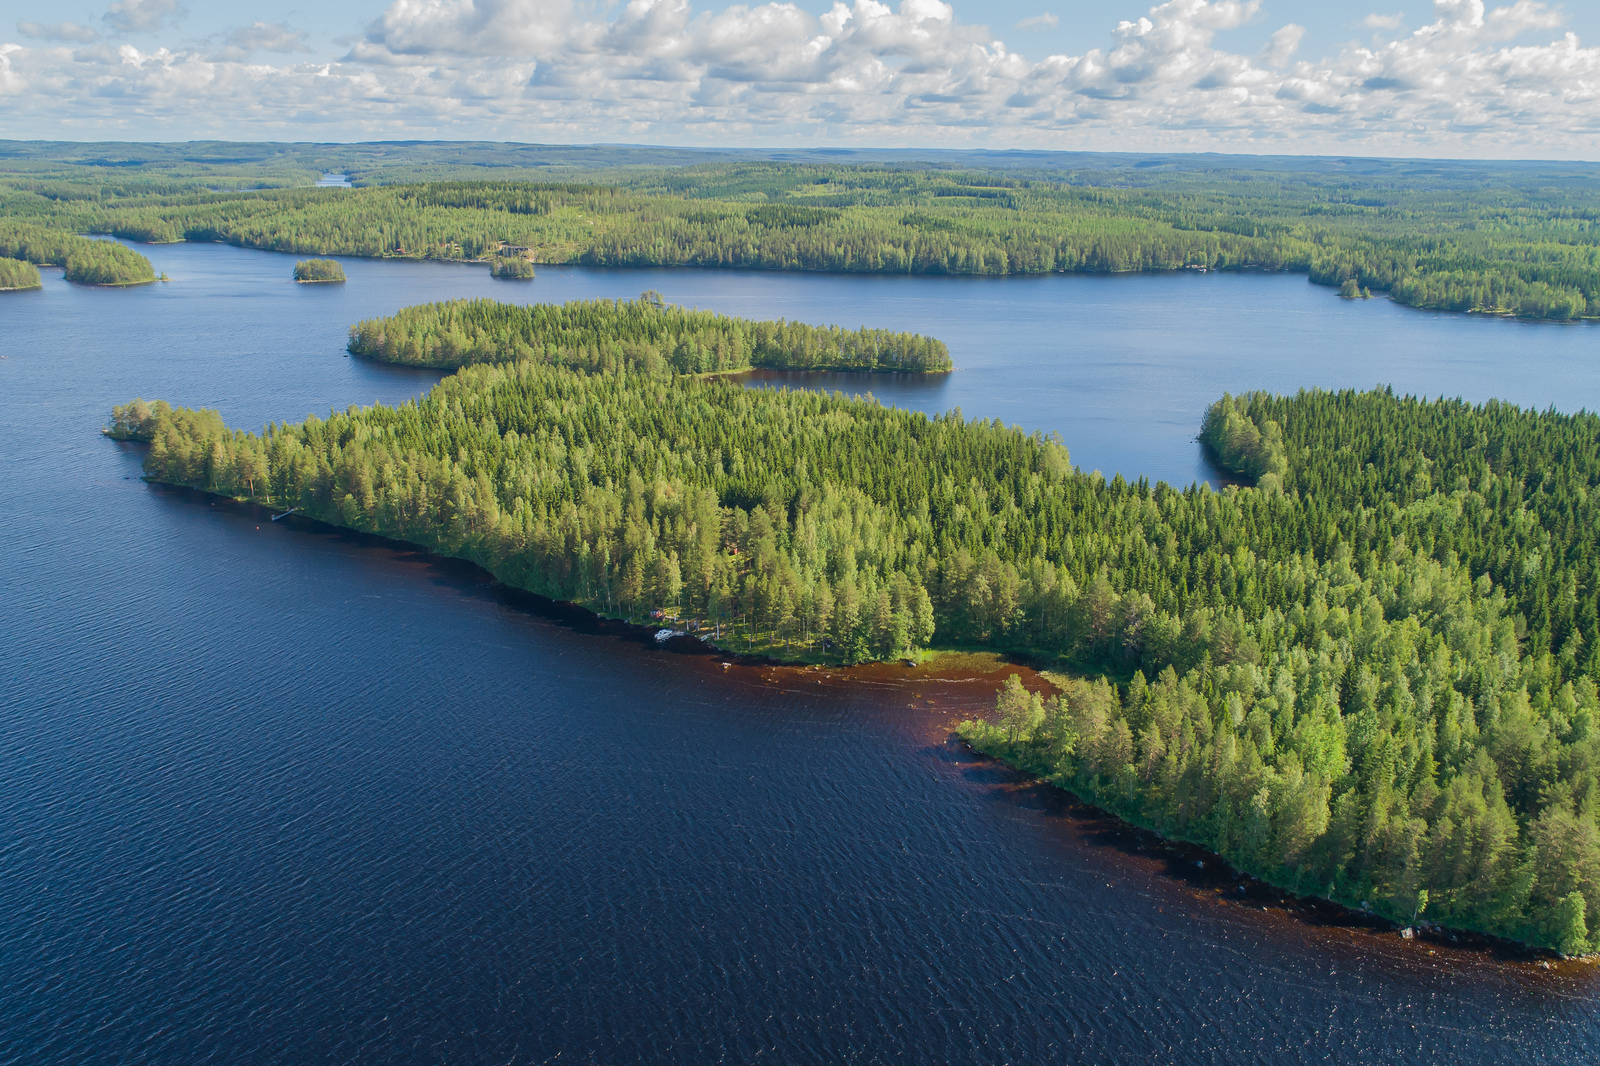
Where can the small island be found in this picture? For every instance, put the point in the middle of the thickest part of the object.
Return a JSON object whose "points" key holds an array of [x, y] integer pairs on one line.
{"points": [[512, 267], [108, 264], [314, 271], [16, 275]]}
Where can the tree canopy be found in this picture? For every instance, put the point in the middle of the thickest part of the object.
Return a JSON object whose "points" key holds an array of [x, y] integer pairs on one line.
{"points": [[1525, 250], [514, 267], [87, 261], [318, 270], [646, 332], [16, 274]]}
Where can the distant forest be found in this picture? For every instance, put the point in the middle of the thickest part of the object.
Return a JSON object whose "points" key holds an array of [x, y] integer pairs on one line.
{"points": [[1505, 244]]}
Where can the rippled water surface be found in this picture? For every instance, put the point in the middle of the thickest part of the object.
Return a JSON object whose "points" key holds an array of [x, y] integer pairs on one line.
{"points": [[274, 794]]}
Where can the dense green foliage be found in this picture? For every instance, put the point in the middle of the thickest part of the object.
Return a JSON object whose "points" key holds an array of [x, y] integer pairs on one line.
{"points": [[605, 334], [107, 263], [1504, 245], [1372, 675], [1376, 681], [511, 266], [16, 274], [42, 245], [1412, 727], [137, 420], [1343, 707], [318, 270], [87, 261], [1508, 493], [1242, 446]]}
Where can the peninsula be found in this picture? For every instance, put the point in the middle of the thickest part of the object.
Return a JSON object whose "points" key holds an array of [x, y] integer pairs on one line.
{"points": [[16, 274], [88, 262], [1370, 676]]}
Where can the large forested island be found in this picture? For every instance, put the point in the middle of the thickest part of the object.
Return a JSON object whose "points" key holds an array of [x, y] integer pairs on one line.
{"points": [[1370, 674], [648, 332], [1507, 241]]}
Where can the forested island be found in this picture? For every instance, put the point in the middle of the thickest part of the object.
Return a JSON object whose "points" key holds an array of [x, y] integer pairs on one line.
{"points": [[1371, 675], [88, 262], [313, 271], [511, 267], [16, 274], [647, 333], [1500, 245]]}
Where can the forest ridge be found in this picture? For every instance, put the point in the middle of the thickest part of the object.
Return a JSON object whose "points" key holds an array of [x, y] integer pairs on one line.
{"points": [[1499, 246]]}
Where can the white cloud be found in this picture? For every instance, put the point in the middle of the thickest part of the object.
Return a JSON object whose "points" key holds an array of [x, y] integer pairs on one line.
{"points": [[268, 37], [10, 83], [246, 41], [469, 28], [1525, 16], [1384, 22], [58, 31], [663, 71], [1282, 45], [143, 16], [1046, 21]]}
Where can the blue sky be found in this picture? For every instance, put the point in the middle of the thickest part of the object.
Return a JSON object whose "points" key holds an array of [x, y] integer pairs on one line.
{"points": [[1408, 77]]}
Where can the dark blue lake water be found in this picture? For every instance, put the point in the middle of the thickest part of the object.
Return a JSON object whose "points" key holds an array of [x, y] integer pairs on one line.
{"points": [[273, 794]]}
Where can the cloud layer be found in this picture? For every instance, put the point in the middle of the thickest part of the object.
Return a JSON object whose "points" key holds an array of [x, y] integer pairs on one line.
{"points": [[1468, 83]]}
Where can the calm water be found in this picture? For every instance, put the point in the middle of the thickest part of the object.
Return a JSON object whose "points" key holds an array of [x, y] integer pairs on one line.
{"points": [[273, 794]]}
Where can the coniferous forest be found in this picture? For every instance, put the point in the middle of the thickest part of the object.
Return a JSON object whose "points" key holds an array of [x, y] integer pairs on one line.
{"points": [[1499, 245], [647, 332], [1370, 675], [89, 262], [16, 274]]}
